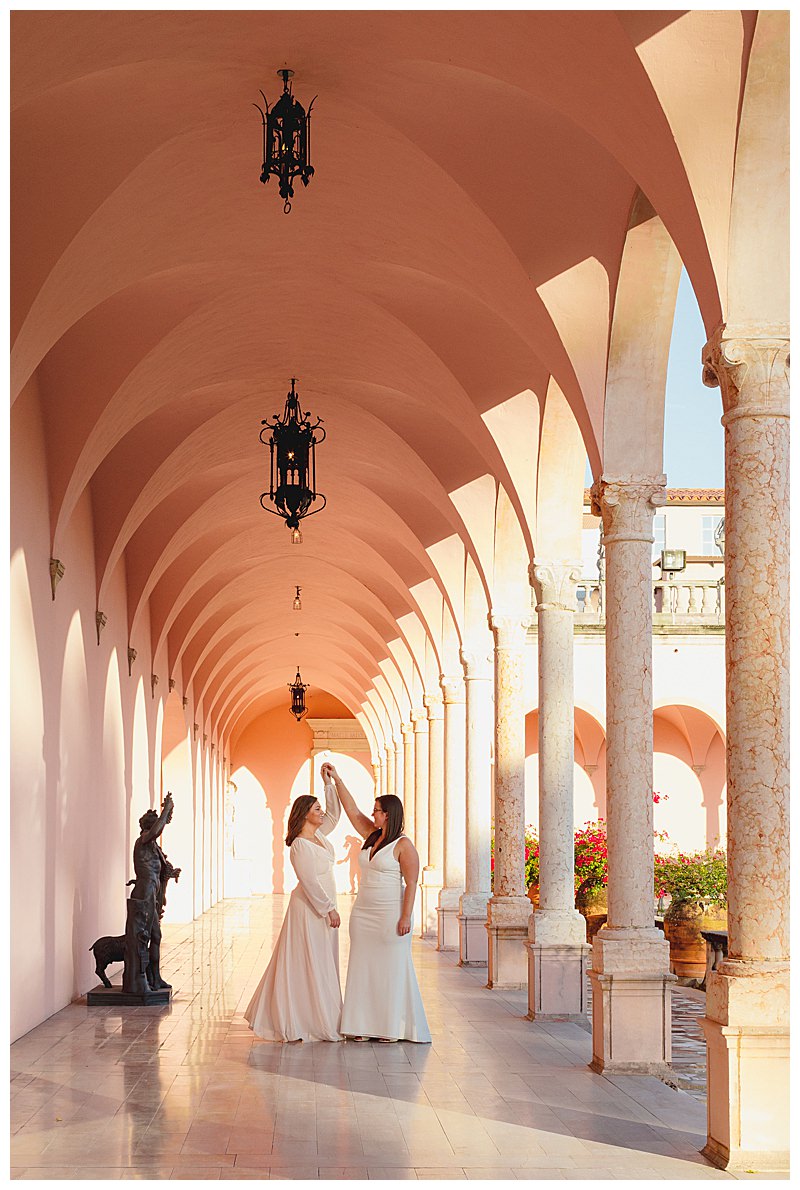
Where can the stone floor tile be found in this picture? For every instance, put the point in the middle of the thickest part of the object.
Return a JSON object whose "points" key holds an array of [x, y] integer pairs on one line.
{"points": [[443, 1173], [492, 1173]]}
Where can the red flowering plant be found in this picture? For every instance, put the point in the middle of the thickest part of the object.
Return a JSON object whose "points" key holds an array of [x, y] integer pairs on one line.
{"points": [[591, 854], [692, 876], [531, 857]]}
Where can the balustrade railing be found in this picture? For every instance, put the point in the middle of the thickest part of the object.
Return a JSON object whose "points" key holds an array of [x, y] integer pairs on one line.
{"points": [[675, 601]]}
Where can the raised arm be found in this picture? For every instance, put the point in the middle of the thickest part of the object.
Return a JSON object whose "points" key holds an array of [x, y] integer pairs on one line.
{"points": [[162, 820], [365, 826], [333, 808]]}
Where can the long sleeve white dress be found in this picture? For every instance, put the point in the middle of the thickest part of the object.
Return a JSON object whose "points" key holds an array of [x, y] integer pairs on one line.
{"points": [[299, 997], [382, 996]]}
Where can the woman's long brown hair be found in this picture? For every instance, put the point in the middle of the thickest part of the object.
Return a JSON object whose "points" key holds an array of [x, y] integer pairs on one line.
{"points": [[393, 809], [297, 816]]}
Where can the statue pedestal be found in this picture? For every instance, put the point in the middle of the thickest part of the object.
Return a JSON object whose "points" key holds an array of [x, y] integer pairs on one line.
{"points": [[114, 997]]}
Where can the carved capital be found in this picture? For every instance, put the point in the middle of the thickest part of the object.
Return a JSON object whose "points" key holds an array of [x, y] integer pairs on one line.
{"points": [[627, 504], [419, 718], [131, 659], [407, 730], [153, 684], [555, 583], [100, 621], [750, 366], [478, 665], [171, 684], [510, 628], [184, 702], [432, 701], [195, 729], [453, 689]]}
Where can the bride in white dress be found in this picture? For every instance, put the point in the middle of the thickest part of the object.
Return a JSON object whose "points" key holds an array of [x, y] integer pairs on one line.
{"points": [[299, 997], [381, 998]]}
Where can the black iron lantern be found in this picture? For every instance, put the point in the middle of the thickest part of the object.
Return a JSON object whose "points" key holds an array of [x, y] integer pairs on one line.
{"points": [[298, 689], [292, 463], [287, 140]]}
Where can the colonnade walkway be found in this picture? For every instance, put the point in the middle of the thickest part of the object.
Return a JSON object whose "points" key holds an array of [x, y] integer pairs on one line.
{"points": [[186, 1092]]}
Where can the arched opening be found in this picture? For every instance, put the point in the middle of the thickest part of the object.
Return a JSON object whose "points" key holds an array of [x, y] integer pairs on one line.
{"points": [[689, 777], [178, 838]]}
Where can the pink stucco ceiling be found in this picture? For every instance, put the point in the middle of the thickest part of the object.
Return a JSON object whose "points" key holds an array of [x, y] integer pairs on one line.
{"points": [[161, 299]]}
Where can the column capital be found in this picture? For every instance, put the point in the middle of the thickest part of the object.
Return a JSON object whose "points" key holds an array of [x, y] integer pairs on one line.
{"points": [[627, 503], [453, 689], [407, 729], [510, 628], [432, 701], [555, 583], [750, 366], [477, 664], [419, 718]]}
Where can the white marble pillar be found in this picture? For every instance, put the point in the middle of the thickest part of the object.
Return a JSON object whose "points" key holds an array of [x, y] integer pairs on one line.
{"points": [[397, 764], [557, 950], [421, 771], [389, 769], [509, 908], [747, 997], [409, 818], [382, 771], [432, 872], [631, 984], [455, 806], [473, 945]]}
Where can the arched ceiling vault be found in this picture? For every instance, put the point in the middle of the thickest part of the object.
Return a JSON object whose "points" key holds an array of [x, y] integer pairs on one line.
{"points": [[460, 244]]}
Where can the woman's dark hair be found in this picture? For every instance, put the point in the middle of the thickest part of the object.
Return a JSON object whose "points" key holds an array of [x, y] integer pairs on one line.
{"points": [[298, 815], [393, 809]]}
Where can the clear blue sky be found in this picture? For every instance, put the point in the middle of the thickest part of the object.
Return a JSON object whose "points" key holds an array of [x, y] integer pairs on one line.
{"points": [[693, 437]]}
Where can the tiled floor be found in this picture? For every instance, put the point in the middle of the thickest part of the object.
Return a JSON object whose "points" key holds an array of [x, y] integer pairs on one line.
{"points": [[186, 1092]]}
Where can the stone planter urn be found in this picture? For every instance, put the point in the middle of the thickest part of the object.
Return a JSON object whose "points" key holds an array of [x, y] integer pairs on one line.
{"points": [[533, 895], [684, 922], [591, 900]]}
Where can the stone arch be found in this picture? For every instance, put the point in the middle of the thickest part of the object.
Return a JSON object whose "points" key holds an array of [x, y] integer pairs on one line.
{"points": [[689, 768], [641, 329]]}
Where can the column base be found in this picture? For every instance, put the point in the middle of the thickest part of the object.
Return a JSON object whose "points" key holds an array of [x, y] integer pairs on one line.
{"points": [[748, 1066], [431, 887], [447, 919], [507, 929], [557, 982], [473, 944], [631, 1002]]}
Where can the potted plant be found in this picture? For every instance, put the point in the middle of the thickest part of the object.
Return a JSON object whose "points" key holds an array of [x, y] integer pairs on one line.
{"points": [[591, 875], [532, 866], [697, 882]]}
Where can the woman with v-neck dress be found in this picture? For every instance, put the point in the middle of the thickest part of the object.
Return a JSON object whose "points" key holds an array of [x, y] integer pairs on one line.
{"points": [[299, 997], [382, 999]]}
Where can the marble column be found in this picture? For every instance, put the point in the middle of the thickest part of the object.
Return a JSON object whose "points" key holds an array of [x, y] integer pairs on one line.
{"points": [[455, 805], [421, 773], [473, 944], [409, 818], [389, 769], [557, 950], [747, 997], [397, 764], [382, 774], [631, 983], [376, 777], [432, 872], [509, 908]]}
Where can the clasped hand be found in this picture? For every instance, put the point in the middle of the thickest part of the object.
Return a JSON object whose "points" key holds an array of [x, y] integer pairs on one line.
{"points": [[334, 919]]}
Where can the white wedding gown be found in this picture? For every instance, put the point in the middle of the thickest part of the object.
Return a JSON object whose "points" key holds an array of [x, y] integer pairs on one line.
{"points": [[299, 996], [381, 997]]}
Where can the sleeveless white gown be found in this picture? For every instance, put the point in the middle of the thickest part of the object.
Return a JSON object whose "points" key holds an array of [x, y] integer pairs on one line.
{"points": [[299, 997], [381, 997]]}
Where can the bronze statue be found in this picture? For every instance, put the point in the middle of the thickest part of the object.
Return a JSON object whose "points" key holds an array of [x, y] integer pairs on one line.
{"points": [[140, 946]]}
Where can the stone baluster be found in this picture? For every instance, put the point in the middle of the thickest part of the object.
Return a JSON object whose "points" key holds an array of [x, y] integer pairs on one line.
{"points": [[509, 908], [432, 872], [747, 1000], [472, 936], [631, 984], [557, 950], [455, 804]]}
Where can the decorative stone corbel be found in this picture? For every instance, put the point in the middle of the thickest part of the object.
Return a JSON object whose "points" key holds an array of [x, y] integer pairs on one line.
{"points": [[131, 659], [153, 684], [205, 739], [195, 728], [56, 574], [185, 702], [100, 620], [171, 685]]}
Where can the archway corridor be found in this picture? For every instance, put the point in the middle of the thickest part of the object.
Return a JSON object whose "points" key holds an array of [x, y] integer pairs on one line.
{"points": [[189, 1093], [475, 294]]}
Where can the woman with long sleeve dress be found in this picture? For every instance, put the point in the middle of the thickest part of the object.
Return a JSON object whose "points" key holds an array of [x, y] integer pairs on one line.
{"points": [[382, 999], [299, 997]]}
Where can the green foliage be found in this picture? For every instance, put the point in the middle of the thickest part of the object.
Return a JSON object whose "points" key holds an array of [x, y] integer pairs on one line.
{"points": [[692, 876]]}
